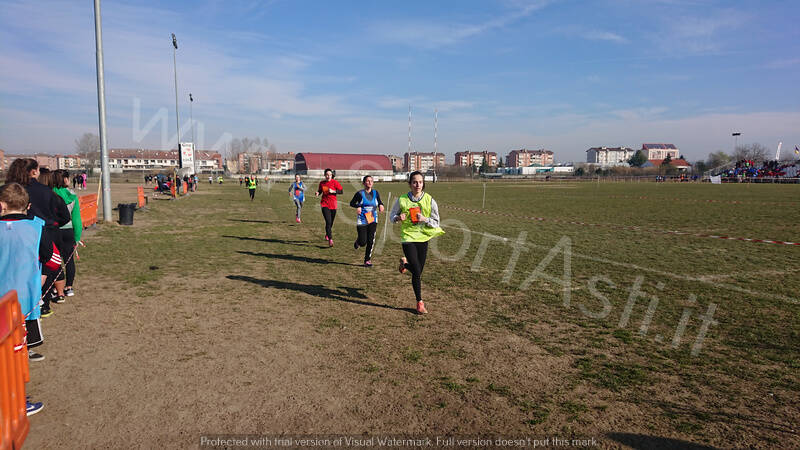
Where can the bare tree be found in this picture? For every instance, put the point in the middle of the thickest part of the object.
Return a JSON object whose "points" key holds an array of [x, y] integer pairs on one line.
{"points": [[236, 146], [88, 148], [755, 152]]}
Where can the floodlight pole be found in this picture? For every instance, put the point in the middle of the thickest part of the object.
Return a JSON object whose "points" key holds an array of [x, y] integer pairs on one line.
{"points": [[101, 109], [735, 140], [191, 119], [177, 119]]}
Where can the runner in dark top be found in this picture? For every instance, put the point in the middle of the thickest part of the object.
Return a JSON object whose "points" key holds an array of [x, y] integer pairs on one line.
{"points": [[367, 203]]}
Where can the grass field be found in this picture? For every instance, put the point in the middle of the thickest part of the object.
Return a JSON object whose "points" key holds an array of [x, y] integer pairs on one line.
{"points": [[571, 310]]}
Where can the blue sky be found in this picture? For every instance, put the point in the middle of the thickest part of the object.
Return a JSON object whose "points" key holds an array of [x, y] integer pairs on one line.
{"points": [[339, 75]]}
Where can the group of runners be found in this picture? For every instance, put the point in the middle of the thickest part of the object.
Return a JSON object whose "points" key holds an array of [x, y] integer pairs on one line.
{"points": [[416, 211]]}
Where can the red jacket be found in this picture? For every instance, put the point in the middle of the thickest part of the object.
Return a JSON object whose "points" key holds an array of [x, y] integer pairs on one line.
{"points": [[329, 200]]}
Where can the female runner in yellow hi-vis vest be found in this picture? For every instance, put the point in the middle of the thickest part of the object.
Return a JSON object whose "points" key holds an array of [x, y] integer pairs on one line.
{"points": [[418, 215]]}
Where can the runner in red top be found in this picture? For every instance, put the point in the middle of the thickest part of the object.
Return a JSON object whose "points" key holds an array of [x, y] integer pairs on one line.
{"points": [[329, 189]]}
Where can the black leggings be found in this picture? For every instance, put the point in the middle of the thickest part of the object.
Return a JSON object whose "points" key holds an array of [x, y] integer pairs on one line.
{"points": [[366, 237], [416, 252], [252, 193], [330, 216], [66, 246]]}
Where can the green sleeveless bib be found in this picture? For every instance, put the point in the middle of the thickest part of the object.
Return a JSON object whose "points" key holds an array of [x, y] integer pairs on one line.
{"points": [[417, 232]]}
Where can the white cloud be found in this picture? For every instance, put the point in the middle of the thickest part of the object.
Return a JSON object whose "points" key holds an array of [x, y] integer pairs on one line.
{"points": [[782, 63], [434, 34], [639, 113], [597, 35], [698, 35]]}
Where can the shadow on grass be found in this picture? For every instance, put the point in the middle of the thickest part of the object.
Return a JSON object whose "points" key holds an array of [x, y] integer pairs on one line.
{"points": [[643, 441], [276, 241], [297, 258], [341, 293], [744, 420]]}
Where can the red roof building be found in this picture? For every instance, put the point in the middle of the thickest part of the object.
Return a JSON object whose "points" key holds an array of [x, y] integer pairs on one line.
{"points": [[344, 164]]}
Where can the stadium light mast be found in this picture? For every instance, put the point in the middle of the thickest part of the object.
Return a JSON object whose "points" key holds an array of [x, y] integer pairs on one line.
{"points": [[735, 135], [101, 109], [177, 119], [191, 119], [409, 129], [435, 135]]}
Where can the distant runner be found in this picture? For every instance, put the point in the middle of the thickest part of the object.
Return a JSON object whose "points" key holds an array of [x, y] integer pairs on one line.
{"points": [[251, 186], [297, 194]]}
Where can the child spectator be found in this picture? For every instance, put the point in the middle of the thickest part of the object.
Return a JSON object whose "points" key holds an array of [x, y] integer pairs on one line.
{"points": [[43, 204], [23, 246]]}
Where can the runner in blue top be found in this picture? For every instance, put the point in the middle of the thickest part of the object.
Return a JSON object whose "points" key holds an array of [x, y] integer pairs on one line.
{"points": [[367, 203], [297, 194]]}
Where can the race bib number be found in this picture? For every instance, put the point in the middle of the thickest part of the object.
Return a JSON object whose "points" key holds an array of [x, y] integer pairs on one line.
{"points": [[414, 213]]}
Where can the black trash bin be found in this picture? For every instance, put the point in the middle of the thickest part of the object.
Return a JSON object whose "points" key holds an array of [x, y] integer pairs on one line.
{"points": [[126, 213]]}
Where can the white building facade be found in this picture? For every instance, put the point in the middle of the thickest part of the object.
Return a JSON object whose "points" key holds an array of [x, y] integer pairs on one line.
{"points": [[609, 156]]}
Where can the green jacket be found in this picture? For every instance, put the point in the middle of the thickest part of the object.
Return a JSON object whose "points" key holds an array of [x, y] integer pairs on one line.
{"points": [[73, 205]]}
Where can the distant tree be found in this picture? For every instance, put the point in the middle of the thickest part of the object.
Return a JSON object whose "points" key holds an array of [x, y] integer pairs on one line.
{"points": [[236, 146], [755, 151], [247, 144], [717, 159], [88, 148], [667, 160], [638, 159], [579, 172], [484, 166], [700, 167]]}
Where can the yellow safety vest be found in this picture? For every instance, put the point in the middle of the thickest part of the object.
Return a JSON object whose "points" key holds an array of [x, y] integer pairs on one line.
{"points": [[420, 231]]}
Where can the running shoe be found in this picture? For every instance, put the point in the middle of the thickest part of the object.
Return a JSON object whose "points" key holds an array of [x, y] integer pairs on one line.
{"points": [[33, 408], [33, 356], [59, 299], [367, 263], [355, 245], [421, 308], [330, 242], [46, 312], [403, 262], [69, 292], [297, 219]]}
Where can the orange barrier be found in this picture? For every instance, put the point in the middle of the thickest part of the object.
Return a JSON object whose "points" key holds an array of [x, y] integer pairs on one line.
{"points": [[185, 188], [14, 374], [141, 201], [88, 205], [172, 190]]}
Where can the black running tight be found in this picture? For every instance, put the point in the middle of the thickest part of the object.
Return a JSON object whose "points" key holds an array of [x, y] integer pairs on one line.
{"points": [[366, 237], [415, 253], [330, 216]]}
